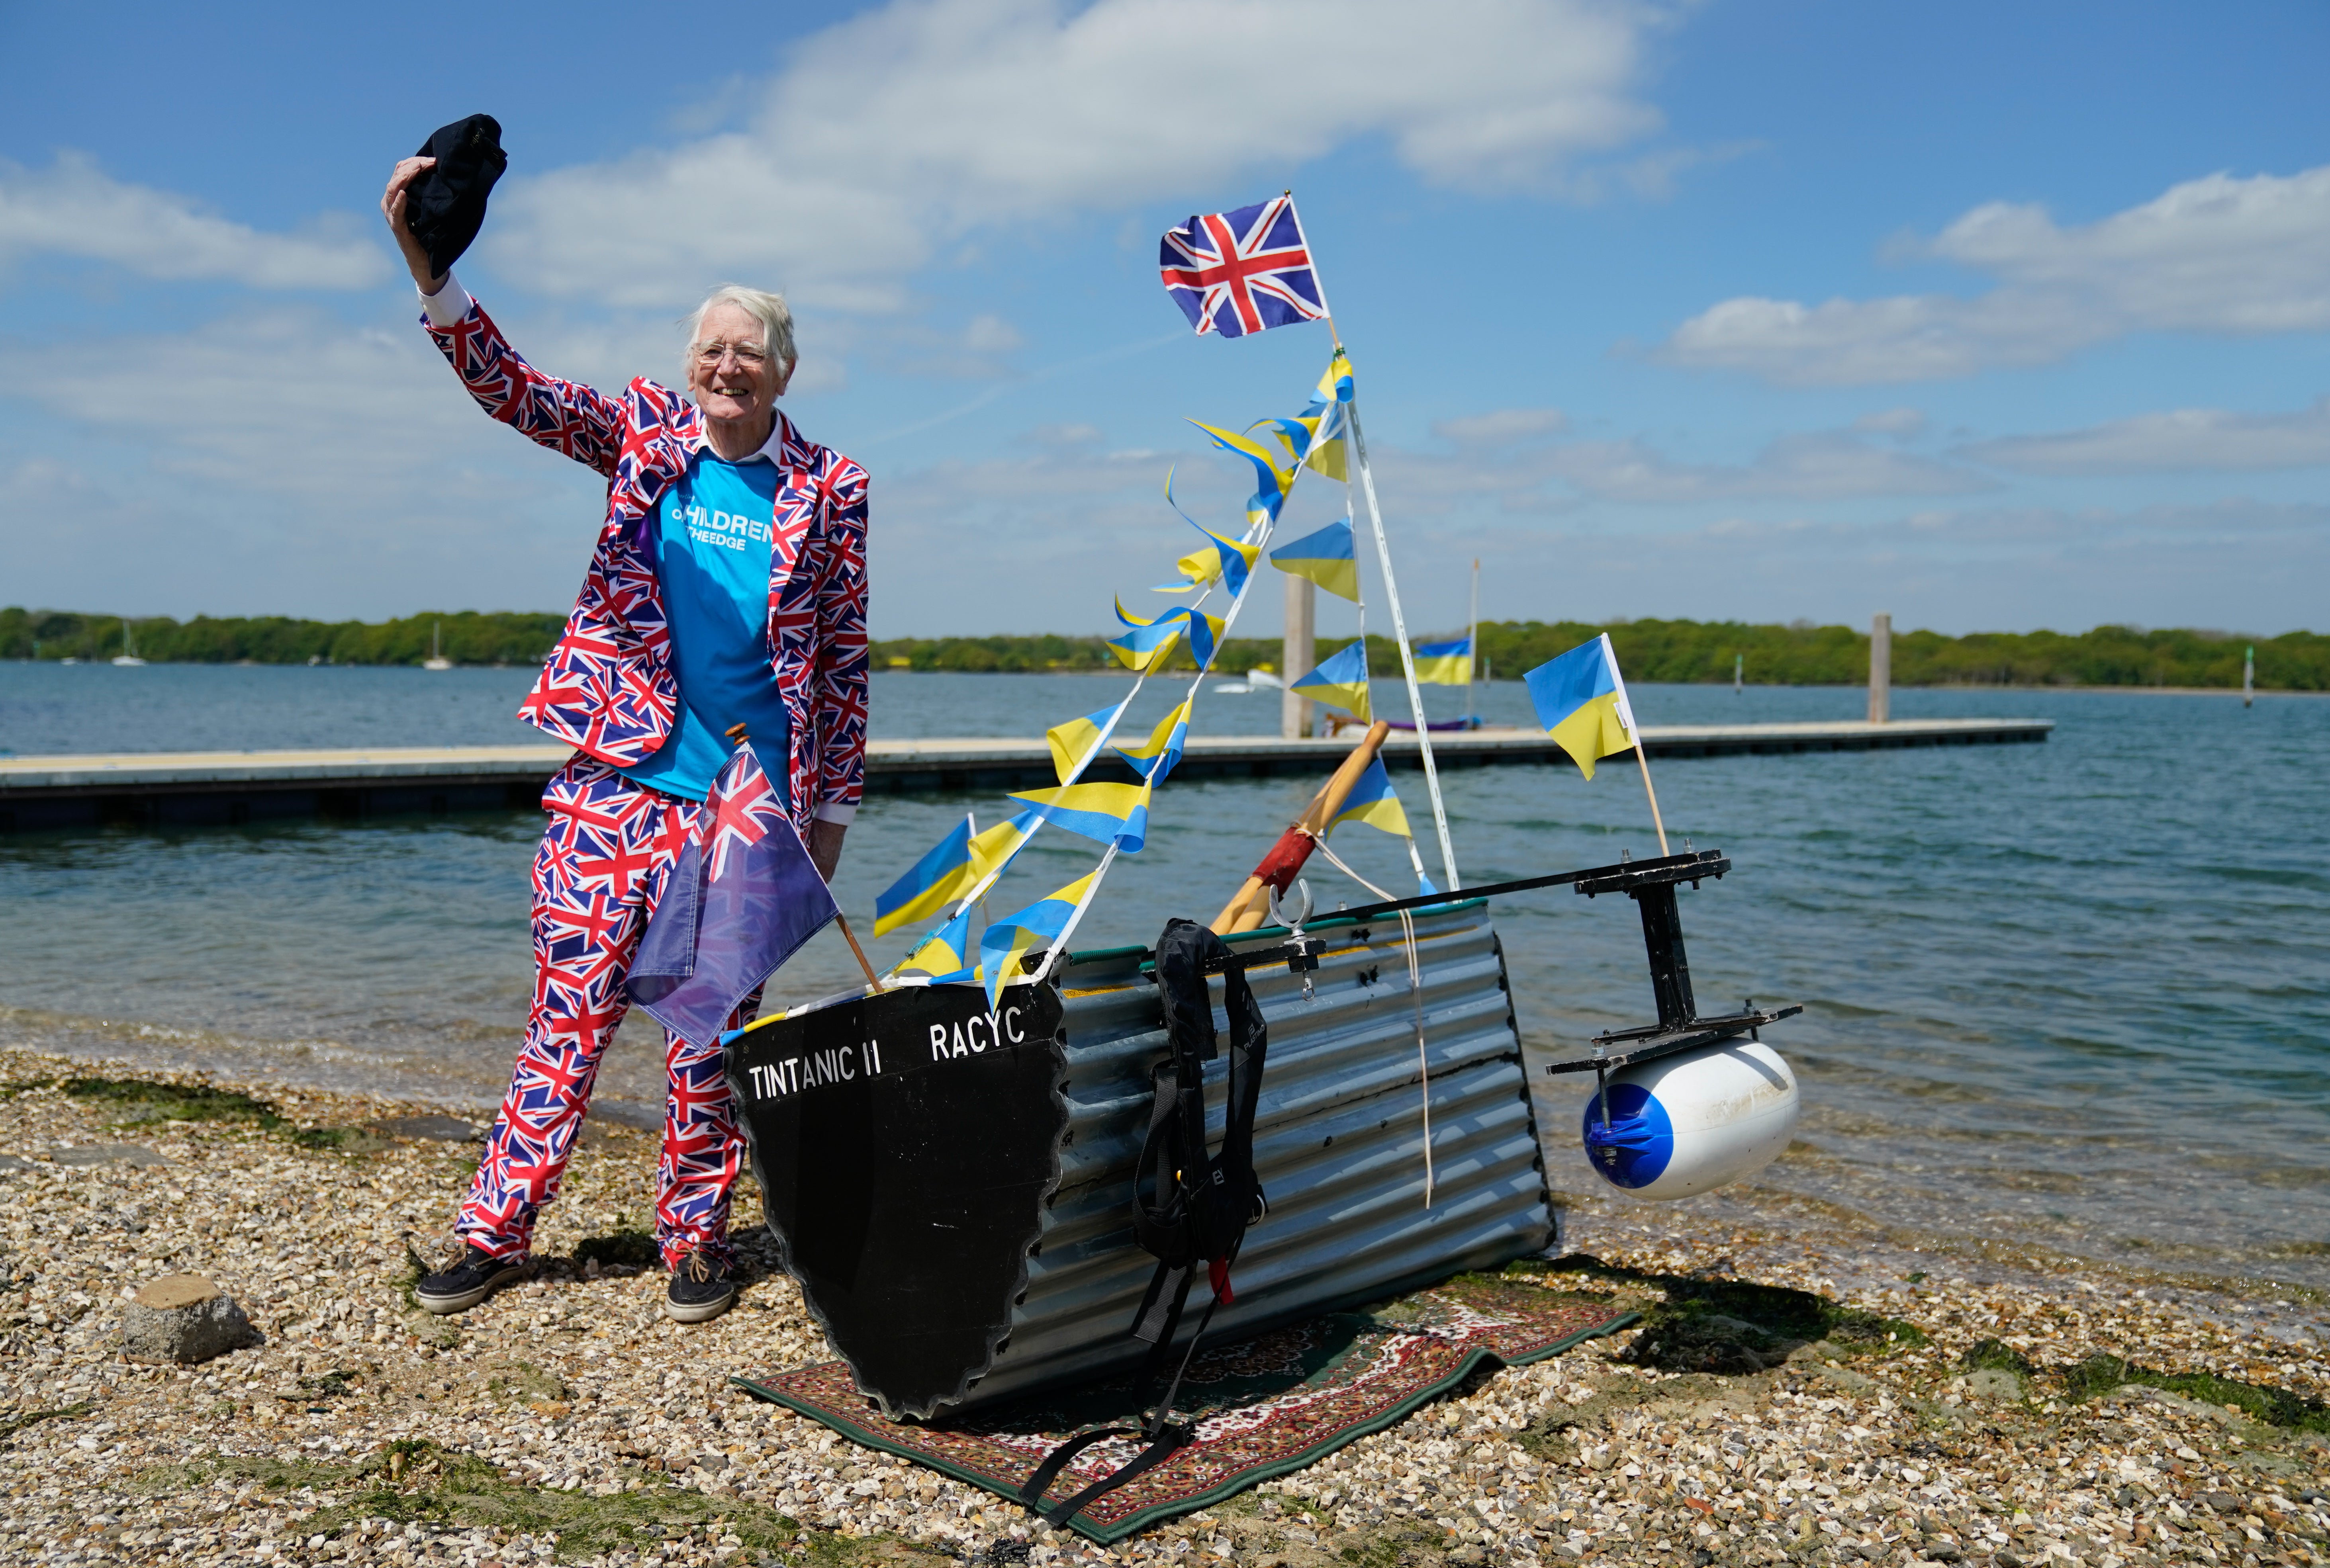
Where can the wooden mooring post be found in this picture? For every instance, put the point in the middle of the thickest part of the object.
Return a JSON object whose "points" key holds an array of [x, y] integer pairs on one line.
{"points": [[1298, 655], [1881, 669]]}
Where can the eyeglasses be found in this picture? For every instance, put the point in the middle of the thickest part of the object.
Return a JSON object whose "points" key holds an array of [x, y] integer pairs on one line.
{"points": [[752, 356]]}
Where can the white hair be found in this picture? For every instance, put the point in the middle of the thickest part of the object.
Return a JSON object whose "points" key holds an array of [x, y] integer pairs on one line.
{"points": [[770, 311]]}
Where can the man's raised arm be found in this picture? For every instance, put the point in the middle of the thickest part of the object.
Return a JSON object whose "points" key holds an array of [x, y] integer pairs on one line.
{"points": [[565, 416]]}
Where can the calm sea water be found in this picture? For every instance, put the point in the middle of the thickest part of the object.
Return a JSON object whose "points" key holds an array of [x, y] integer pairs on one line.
{"points": [[2076, 995]]}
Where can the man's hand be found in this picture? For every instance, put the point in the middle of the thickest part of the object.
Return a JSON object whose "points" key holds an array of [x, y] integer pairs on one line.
{"points": [[392, 207], [825, 845]]}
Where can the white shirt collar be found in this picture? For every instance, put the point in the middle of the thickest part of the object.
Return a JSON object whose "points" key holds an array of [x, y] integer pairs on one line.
{"points": [[770, 449]]}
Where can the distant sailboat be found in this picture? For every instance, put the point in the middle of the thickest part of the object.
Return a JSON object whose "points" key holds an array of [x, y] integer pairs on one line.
{"points": [[436, 659], [128, 658]]}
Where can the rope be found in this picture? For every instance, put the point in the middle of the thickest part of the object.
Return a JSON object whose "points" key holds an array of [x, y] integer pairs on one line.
{"points": [[1414, 992]]}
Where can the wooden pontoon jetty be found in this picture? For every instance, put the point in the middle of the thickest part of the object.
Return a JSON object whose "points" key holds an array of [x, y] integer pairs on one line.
{"points": [[223, 788]]}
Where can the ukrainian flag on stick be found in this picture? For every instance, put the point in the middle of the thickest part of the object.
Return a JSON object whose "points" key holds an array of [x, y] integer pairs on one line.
{"points": [[930, 884], [1445, 664], [1004, 943], [1581, 699], [1342, 682], [1325, 558], [951, 868]]}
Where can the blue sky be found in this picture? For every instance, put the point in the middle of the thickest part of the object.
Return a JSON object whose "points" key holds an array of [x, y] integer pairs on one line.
{"points": [[1996, 318]]}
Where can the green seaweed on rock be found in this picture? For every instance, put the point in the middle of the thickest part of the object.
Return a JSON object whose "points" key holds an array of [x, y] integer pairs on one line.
{"points": [[1733, 1326], [413, 1481], [2100, 1374]]}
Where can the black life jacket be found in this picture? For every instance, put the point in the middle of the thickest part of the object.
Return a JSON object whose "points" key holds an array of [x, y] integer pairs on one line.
{"points": [[1190, 1204]]}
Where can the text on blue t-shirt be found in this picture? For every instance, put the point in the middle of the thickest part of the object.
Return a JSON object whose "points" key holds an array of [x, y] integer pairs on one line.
{"points": [[713, 538]]}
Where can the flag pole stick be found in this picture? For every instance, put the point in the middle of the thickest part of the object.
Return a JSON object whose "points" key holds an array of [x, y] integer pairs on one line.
{"points": [[1473, 640], [1406, 653], [1645, 763], [849, 936], [1391, 598]]}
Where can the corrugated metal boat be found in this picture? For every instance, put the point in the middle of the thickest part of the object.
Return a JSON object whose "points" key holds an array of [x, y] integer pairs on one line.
{"points": [[945, 1150]]}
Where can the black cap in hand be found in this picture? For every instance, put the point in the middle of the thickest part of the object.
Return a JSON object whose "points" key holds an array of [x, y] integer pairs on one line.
{"points": [[446, 205]]}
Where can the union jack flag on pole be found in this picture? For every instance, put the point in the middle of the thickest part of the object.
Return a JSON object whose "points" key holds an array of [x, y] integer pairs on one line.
{"points": [[1243, 271], [742, 900]]}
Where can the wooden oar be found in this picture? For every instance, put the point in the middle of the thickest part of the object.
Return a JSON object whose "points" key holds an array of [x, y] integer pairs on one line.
{"points": [[1251, 907]]}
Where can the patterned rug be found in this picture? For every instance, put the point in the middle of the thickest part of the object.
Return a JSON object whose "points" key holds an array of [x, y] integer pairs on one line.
{"points": [[1264, 1407]]}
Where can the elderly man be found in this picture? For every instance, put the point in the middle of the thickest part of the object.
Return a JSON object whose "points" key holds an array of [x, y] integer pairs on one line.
{"points": [[728, 588]]}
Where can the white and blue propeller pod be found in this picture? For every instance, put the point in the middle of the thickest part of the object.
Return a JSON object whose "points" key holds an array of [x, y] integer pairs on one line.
{"points": [[1692, 1122]]}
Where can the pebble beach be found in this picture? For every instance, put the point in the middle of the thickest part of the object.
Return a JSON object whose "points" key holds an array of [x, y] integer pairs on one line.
{"points": [[2014, 1411]]}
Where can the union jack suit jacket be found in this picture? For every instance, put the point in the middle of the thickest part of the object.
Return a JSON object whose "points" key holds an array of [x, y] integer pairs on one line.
{"points": [[608, 687]]}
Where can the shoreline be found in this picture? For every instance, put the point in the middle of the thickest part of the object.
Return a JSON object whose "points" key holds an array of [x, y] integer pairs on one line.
{"points": [[1103, 670], [1779, 1202], [362, 1432]]}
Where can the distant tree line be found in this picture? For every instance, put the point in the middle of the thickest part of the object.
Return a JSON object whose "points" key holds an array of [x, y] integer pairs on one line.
{"points": [[1684, 651], [1694, 652], [466, 637]]}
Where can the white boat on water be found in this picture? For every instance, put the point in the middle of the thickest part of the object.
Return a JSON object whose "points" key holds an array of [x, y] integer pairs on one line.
{"points": [[127, 658], [436, 659], [1256, 681]]}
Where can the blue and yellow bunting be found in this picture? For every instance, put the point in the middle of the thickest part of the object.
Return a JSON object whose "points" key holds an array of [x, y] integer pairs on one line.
{"points": [[1220, 557], [1373, 802], [1445, 664], [1315, 437], [943, 956], [1272, 481], [1105, 813], [1146, 642], [991, 848], [1072, 740], [1325, 558], [1580, 698], [1005, 942], [1342, 681], [1154, 758]]}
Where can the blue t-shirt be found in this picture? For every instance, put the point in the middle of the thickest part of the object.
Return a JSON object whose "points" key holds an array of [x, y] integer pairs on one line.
{"points": [[713, 538]]}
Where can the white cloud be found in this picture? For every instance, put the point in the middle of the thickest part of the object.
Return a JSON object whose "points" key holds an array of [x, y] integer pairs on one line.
{"points": [[288, 401], [1901, 422], [1820, 466], [2221, 255], [281, 462], [2232, 564], [1509, 454], [75, 209], [990, 334], [890, 135], [1501, 428], [2186, 438]]}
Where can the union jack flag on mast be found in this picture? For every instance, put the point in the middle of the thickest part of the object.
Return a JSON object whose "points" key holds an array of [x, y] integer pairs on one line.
{"points": [[1244, 271]]}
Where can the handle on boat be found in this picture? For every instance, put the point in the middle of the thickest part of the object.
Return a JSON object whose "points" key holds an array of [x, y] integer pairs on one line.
{"points": [[1591, 882], [1247, 910]]}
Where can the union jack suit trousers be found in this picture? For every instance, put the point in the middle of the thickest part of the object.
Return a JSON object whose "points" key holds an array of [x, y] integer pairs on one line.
{"points": [[603, 866]]}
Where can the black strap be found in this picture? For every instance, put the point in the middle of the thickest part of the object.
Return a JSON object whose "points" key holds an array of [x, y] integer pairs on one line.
{"points": [[1188, 1205], [1169, 1438], [1156, 1321], [1057, 1461], [1165, 1435]]}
